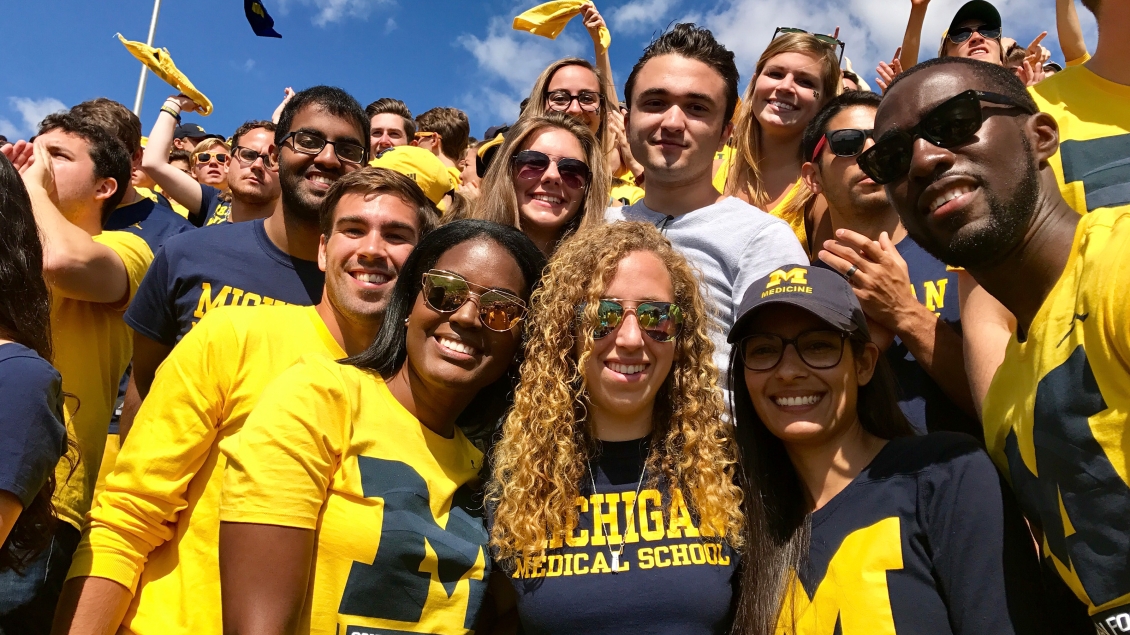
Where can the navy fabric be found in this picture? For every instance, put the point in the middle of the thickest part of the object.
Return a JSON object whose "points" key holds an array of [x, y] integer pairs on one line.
{"points": [[213, 209], [153, 222], [28, 599], [32, 434]]}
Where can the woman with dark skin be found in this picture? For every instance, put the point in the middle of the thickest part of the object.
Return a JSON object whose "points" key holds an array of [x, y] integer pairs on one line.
{"points": [[340, 459]]}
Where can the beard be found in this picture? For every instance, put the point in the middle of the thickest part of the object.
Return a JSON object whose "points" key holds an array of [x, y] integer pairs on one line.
{"points": [[295, 203], [250, 194]]}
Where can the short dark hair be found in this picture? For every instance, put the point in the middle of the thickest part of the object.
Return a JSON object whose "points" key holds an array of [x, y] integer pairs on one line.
{"points": [[180, 155], [114, 118], [997, 78], [333, 100], [247, 127], [696, 43], [371, 179], [111, 160], [819, 124], [392, 106], [449, 123]]}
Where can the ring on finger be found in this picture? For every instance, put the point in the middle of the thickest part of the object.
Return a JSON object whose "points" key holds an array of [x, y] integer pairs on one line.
{"points": [[850, 272]]}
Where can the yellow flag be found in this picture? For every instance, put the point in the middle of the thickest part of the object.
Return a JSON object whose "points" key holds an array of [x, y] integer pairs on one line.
{"points": [[161, 63], [549, 19]]}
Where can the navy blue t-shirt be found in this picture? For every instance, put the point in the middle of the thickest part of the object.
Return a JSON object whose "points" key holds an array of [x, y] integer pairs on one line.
{"points": [[32, 434], [153, 222], [671, 580], [230, 264], [214, 210]]}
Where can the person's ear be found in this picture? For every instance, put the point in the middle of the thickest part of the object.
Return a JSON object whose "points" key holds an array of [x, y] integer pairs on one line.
{"points": [[322, 252], [1043, 135], [865, 363], [808, 173], [135, 160], [727, 130]]}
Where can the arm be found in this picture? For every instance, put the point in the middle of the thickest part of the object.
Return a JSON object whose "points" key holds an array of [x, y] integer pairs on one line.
{"points": [[288, 92], [1070, 34], [986, 327], [594, 22], [912, 39], [147, 356], [90, 606], [10, 508], [264, 575], [181, 187]]}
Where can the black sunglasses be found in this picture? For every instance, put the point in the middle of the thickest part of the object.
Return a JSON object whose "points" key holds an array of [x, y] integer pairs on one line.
{"points": [[531, 164], [846, 142], [951, 123], [961, 34], [310, 143], [206, 157], [445, 292], [826, 39], [661, 321]]}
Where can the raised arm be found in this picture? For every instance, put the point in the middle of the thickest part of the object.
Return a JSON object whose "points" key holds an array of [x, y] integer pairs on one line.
{"points": [[1070, 34], [912, 39], [177, 185]]}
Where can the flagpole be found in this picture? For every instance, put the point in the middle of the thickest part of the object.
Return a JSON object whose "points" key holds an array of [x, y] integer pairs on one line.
{"points": [[144, 70]]}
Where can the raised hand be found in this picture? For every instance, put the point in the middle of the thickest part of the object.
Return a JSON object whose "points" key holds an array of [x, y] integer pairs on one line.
{"points": [[185, 102], [593, 21], [20, 153], [40, 171], [888, 71]]}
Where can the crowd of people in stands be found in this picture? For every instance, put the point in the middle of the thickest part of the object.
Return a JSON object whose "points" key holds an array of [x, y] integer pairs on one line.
{"points": [[348, 371]]}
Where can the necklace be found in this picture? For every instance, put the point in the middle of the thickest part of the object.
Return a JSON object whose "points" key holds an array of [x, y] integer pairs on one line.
{"points": [[628, 513]]}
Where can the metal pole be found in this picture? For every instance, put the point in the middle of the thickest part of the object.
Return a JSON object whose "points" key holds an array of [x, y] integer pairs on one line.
{"points": [[144, 70]]}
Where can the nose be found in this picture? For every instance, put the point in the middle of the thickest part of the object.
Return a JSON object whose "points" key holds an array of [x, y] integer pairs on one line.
{"points": [[574, 107], [926, 159], [373, 247], [674, 119], [629, 336], [551, 175], [467, 316], [791, 365], [327, 158]]}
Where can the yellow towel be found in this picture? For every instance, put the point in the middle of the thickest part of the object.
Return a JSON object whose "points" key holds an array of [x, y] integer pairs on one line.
{"points": [[549, 19], [161, 63]]}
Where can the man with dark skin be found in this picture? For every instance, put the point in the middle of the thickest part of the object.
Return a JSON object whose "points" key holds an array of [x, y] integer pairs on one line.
{"points": [[1055, 415]]}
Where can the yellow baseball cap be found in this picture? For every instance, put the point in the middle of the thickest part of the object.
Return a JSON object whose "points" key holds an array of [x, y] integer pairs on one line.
{"points": [[421, 166]]}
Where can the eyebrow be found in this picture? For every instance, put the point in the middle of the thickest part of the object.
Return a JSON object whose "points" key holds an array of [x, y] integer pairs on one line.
{"points": [[392, 224], [315, 131], [663, 92]]}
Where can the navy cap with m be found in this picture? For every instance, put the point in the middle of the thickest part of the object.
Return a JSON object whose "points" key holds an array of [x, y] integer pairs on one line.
{"points": [[822, 292]]}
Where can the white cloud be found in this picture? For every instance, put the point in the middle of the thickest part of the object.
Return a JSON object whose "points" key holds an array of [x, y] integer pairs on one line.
{"points": [[638, 15], [330, 11], [34, 110], [390, 26], [9, 130]]}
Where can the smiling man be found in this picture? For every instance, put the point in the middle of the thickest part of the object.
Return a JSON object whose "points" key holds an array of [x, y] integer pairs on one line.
{"points": [[965, 156], [149, 561]]}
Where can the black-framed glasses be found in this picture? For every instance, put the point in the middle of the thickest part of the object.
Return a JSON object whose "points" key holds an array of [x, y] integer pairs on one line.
{"points": [[820, 348], [531, 164], [445, 292], [661, 321], [560, 100], [247, 156], [206, 157], [846, 142], [951, 123], [826, 39], [961, 34], [310, 143]]}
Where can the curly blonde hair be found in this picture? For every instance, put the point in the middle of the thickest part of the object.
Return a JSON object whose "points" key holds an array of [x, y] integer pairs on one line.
{"points": [[546, 445]]}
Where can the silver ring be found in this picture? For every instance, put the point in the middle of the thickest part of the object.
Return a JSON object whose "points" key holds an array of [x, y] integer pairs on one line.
{"points": [[851, 272]]}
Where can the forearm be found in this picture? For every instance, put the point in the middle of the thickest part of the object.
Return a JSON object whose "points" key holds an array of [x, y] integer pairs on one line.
{"points": [[938, 350], [1070, 33], [91, 606], [912, 39], [180, 186]]}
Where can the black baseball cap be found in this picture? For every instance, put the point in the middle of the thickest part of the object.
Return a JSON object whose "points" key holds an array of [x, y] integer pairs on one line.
{"points": [[193, 131], [979, 10], [822, 292]]}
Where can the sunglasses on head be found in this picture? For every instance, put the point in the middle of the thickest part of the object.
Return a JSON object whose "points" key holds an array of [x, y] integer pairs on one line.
{"points": [[206, 157], [661, 321], [961, 34], [951, 123], [826, 39], [846, 142], [446, 292], [531, 164]]}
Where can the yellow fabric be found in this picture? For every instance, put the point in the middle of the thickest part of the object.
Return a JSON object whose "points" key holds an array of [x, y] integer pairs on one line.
{"points": [[330, 449], [93, 347], [626, 191], [795, 218], [1092, 114], [161, 63], [455, 177], [549, 19], [1082, 424], [727, 157], [151, 194], [1076, 62], [155, 529], [487, 145], [420, 165]]}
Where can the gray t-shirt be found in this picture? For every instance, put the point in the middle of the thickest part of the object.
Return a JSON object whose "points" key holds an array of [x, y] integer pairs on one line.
{"points": [[732, 244]]}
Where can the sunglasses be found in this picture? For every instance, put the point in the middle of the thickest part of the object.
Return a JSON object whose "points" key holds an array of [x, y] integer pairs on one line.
{"points": [[817, 349], [847, 142], [951, 123], [826, 39], [531, 164], [446, 292], [312, 144], [959, 35], [206, 157], [661, 321], [560, 100], [247, 156]]}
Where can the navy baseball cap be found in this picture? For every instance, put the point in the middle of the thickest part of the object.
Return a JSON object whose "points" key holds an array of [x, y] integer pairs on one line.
{"points": [[822, 292], [979, 10], [193, 131]]}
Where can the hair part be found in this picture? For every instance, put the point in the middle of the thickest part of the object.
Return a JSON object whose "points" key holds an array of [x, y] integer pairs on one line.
{"points": [[372, 180], [331, 99], [111, 159], [692, 42], [391, 106], [452, 125]]}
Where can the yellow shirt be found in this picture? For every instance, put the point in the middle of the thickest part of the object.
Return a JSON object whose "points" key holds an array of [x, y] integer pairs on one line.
{"points": [[93, 347], [1056, 415], [329, 448], [625, 191], [795, 218], [156, 527], [1094, 137]]}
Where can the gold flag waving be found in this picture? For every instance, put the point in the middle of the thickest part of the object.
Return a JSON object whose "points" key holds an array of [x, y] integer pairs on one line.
{"points": [[161, 63], [550, 18]]}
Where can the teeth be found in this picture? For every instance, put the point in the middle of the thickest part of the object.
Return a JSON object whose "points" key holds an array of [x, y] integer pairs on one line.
{"points": [[807, 400], [626, 369], [552, 200], [372, 278], [318, 178], [458, 347], [949, 195], [782, 105]]}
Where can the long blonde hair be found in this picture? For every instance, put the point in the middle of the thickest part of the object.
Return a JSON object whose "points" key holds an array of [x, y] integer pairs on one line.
{"points": [[744, 177], [498, 202], [546, 443], [535, 106]]}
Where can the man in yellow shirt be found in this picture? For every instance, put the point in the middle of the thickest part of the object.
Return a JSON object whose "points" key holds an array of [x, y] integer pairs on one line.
{"points": [[76, 174], [150, 560], [986, 198]]}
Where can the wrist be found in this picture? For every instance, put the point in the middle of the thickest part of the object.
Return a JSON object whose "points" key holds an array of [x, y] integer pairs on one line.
{"points": [[914, 321]]}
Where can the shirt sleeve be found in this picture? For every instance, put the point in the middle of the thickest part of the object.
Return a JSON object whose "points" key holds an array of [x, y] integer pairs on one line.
{"points": [[208, 196], [32, 433], [772, 248], [1080, 60], [171, 438], [135, 254], [152, 312], [288, 449]]}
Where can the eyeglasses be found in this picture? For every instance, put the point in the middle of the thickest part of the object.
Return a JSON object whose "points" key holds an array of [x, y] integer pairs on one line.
{"points": [[531, 164], [817, 349], [961, 34], [310, 143], [560, 100], [951, 123], [425, 135], [247, 156], [206, 157], [846, 142], [661, 321], [446, 292], [826, 39]]}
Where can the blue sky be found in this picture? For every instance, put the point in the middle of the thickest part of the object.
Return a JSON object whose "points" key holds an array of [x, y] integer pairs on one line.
{"points": [[426, 52]]}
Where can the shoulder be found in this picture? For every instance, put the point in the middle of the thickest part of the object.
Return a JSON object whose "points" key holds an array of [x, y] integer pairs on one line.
{"points": [[21, 366], [937, 452], [266, 322]]}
